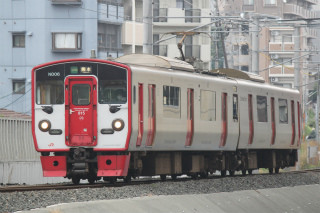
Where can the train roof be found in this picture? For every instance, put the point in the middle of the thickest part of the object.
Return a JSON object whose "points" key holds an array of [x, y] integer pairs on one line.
{"points": [[155, 61], [169, 63], [232, 73]]}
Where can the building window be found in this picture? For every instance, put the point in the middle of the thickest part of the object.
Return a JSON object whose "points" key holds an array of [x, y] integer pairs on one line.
{"points": [[245, 49], [270, 2], [66, 41], [180, 4], [248, 2], [245, 68], [262, 108], [19, 40], [18, 86]]}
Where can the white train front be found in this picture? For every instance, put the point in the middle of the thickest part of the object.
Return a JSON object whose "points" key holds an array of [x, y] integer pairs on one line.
{"points": [[150, 115]]}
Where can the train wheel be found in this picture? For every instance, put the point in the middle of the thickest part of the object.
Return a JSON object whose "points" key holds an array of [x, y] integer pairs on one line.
{"points": [[113, 180], [127, 179], [75, 180], [276, 170], [163, 177], [91, 180], [270, 170], [231, 172], [250, 171], [204, 174], [223, 173], [174, 177], [244, 172]]}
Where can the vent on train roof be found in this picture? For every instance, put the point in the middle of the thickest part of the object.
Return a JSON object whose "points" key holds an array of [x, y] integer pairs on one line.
{"points": [[155, 61], [232, 73]]}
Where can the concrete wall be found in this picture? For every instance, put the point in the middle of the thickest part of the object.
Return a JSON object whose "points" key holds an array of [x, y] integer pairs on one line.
{"points": [[19, 162]]}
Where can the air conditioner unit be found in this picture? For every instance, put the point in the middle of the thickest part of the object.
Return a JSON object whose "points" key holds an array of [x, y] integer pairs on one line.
{"points": [[274, 56], [274, 79], [275, 32]]}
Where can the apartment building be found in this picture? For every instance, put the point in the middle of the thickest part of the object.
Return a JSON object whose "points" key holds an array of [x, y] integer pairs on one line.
{"points": [[37, 31], [276, 41], [170, 18]]}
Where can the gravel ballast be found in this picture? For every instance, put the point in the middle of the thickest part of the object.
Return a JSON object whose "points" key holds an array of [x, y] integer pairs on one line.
{"points": [[17, 201]]}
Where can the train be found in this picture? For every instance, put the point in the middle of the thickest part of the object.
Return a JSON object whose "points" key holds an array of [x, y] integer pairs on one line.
{"points": [[146, 115]]}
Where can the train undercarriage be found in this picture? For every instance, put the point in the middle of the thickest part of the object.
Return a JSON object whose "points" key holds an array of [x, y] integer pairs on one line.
{"points": [[81, 163]]}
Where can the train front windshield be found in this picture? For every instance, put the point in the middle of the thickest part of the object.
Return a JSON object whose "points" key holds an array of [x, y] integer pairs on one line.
{"points": [[112, 82]]}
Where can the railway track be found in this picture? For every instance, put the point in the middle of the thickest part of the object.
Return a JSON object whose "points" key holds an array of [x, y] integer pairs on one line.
{"points": [[67, 186]]}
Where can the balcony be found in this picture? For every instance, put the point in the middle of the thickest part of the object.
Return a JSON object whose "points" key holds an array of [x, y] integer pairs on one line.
{"points": [[298, 11], [110, 13], [312, 1], [192, 12], [248, 8], [281, 47], [66, 2], [160, 50], [281, 70], [162, 12]]}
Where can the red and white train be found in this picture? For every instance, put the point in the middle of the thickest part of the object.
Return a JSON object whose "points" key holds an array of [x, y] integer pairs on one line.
{"points": [[145, 115]]}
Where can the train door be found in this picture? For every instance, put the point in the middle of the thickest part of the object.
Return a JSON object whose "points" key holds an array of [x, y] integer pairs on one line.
{"points": [[81, 111]]}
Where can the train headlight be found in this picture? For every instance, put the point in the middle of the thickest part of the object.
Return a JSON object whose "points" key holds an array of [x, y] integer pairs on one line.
{"points": [[44, 125], [117, 124]]}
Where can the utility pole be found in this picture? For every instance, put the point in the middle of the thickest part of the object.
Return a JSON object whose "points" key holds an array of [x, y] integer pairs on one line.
{"points": [[255, 45], [317, 108], [133, 46], [296, 55], [147, 27]]}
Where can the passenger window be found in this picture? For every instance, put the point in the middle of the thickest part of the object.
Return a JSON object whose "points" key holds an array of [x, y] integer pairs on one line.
{"points": [[50, 92], [81, 94], [235, 108], [208, 105], [283, 111], [262, 108], [171, 102]]}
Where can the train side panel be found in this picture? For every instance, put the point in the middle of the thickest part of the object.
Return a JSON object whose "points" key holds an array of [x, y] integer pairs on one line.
{"points": [[171, 130]]}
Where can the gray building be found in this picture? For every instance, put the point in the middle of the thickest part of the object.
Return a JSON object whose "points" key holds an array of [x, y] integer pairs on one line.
{"points": [[33, 32]]}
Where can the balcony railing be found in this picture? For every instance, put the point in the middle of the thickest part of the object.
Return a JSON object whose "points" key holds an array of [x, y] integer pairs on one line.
{"points": [[162, 12], [66, 2], [298, 11], [279, 47], [192, 12], [112, 2]]}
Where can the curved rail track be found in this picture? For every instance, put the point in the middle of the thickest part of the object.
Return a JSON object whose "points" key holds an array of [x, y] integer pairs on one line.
{"points": [[21, 188]]}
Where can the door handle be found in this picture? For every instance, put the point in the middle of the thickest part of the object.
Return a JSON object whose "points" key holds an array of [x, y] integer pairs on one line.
{"points": [[71, 111]]}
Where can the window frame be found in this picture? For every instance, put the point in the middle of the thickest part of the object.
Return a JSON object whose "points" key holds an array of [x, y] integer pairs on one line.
{"points": [[172, 103], [265, 109], [77, 43], [20, 36], [287, 111], [22, 89]]}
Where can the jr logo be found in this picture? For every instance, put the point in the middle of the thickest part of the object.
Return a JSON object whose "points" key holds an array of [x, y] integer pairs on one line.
{"points": [[51, 145], [53, 74]]}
